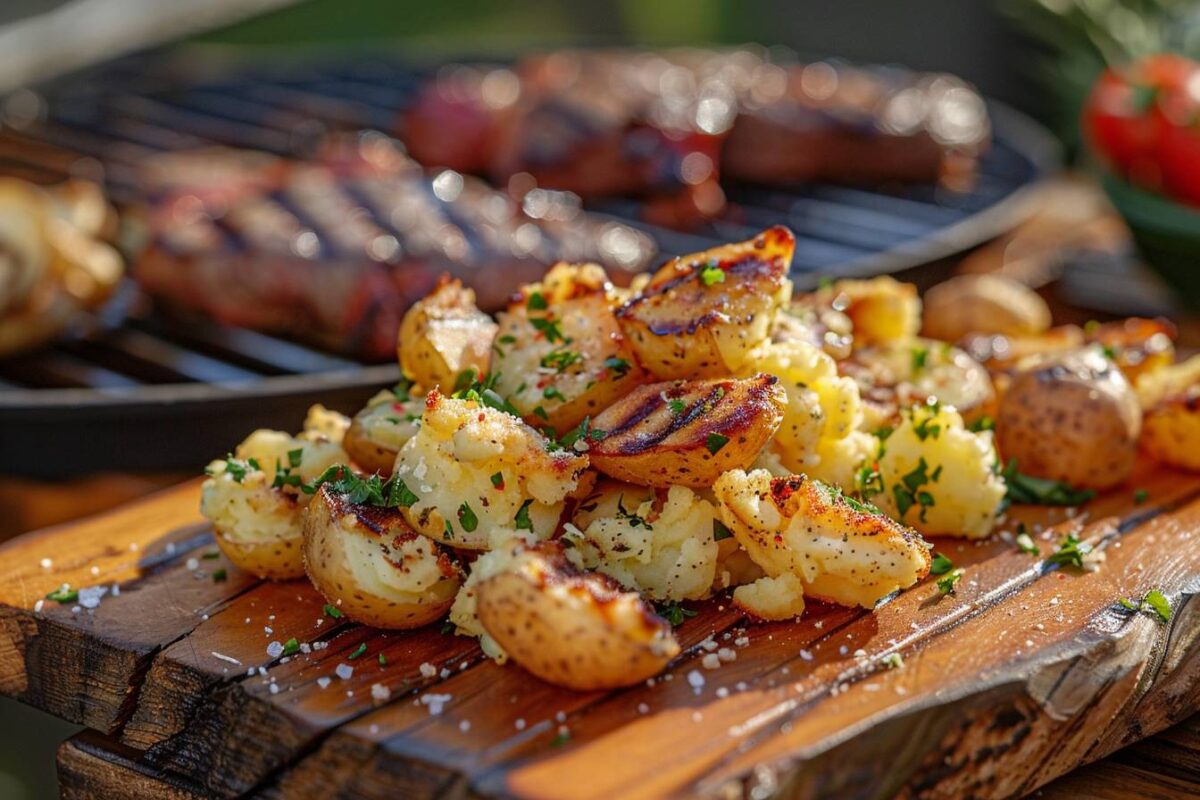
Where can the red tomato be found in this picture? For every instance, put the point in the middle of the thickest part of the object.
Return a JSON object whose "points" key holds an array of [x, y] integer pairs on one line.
{"points": [[1179, 158]]}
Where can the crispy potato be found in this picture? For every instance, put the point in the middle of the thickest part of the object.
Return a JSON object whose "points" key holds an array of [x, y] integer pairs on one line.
{"points": [[839, 460], [474, 468], [258, 524], [880, 309], [1073, 418], [821, 326], [444, 335], [841, 550], [571, 629], [734, 565], [937, 476], [701, 315], [896, 375], [369, 563], [1171, 426], [686, 433], [560, 355], [659, 543], [1138, 346], [983, 304], [377, 433], [766, 598], [507, 549]]}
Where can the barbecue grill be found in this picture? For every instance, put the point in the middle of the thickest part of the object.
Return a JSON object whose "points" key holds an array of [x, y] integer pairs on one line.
{"points": [[140, 389]]}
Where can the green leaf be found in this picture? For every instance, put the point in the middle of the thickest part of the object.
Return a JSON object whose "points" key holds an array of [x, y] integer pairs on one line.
{"points": [[536, 302], [1025, 545], [1071, 551], [63, 594], [715, 442], [498, 480], [1159, 603], [1024, 488], [295, 457], [712, 274], [521, 520], [674, 612], [219, 575], [941, 565], [467, 518], [291, 647], [721, 530], [332, 611], [618, 365], [947, 583], [362, 648]]}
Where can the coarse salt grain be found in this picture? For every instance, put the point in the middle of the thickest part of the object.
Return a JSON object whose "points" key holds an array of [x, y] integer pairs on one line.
{"points": [[428, 670], [519, 724], [47, 563], [324, 682], [344, 671], [37, 607], [435, 702], [726, 654], [380, 693], [89, 597], [275, 649], [643, 708], [695, 679], [274, 688], [806, 655], [465, 725], [193, 564], [710, 661]]}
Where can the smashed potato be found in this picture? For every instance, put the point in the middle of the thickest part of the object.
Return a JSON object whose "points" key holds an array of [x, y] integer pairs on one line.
{"points": [[572, 629], [983, 304], [659, 543], [1137, 346], [254, 501], [880, 309], [701, 315], [377, 433], [687, 433], [840, 549], [372, 566], [560, 355], [767, 598], [444, 335], [472, 468], [937, 476]]}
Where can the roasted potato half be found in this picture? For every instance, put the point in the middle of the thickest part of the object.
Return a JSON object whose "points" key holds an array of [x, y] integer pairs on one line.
{"points": [[1072, 418], [686, 433], [1138, 346], [573, 629], [880, 309], [840, 549], [369, 563], [1171, 426], [377, 433], [701, 315], [444, 335], [983, 304], [472, 468], [560, 355]]}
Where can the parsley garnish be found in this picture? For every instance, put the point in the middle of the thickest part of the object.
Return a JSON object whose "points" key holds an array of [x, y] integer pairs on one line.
{"points": [[1024, 488], [584, 431], [64, 594], [674, 612], [1154, 600], [920, 355], [382, 660], [560, 738], [403, 390], [712, 274], [374, 491], [332, 611], [984, 423], [362, 648], [550, 328], [941, 565], [947, 584], [467, 518], [677, 406], [1070, 551], [237, 469], [211, 555], [498, 480], [869, 482], [484, 392], [449, 531], [291, 647], [893, 661], [715, 442], [559, 360], [908, 492], [536, 302], [552, 393], [1025, 544], [633, 519], [720, 530], [521, 520], [618, 365], [219, 575], [1140, 496]]}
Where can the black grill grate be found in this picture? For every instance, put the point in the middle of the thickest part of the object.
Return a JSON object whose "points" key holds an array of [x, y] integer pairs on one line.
{"points": [[136, 361]]}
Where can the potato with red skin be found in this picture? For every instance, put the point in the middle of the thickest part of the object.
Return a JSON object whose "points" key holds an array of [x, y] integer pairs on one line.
{"points": [[573, 629], [372, 566], [686, 433], [701, 315], [1072, 418]]}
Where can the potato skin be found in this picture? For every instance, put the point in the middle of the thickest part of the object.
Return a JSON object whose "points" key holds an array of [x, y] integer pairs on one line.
{"points": [[1073, 419], [1171, 431], [370, 564], [1138, 346], [573, 629], [648, 444], [379, 430], [681, 326], [443, 335], [983, 304]]}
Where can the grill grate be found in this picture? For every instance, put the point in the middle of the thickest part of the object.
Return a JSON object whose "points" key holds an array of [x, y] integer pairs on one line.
{"points": [[132, 359]]}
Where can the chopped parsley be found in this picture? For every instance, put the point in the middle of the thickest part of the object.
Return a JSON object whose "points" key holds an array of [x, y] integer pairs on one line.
{"points": [[373, 491], [560, 360], [449, 531], [1071, 551], [521, 520], [291, 647], [712, 274], [583, 431], [941, 565], [237, 469], [550, 328], [677, 406], [920, 355], [483, 392], [284, 475], [560, 738], [947, 583], [219, 575], [498, 480], [403, 390], [382, 660], [1025, 544], [721, 530], [893, 661], [1154, 600], [1024, 488], [536, 302], [868, 481], [618, 365], [211, 555], [674, 612], [332, 611], [467, 518], [552, 393], [715, 442], [1140, 496], [362, 648], [541, 412], [64, 594], [984, 423], [908, 492], [633, 519]]}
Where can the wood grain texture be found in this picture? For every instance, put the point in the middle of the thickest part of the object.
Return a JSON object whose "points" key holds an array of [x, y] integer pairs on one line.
{"points": [[91, 767], [1022, 674]]}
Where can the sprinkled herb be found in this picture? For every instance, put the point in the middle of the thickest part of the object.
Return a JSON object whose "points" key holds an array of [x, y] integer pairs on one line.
{"points": [[219, 575], [712, 274], [1132, 605], [362, 648], [941, 565], [467, 518], [584, 431], [721, 530], [449, 531], [1109, 351], [927, 428], [382, 660], [507, 338], [633, 519], [373, 491], [920, 355], [332, 611], [947, 583], [1070, 551], [560, 738], [521, 520], [550, 328], [63, 594], [211, 555], [1140, 496], [677, 406], [1154, 600], [1024, 488], [498, 480], [1025, 545], [984, 423], [284, 475], [893, 660], [715, 442], [674, 612], [908, 492], [237, 469], [560, 360], [536, 302], [295, 457], [618, 365], [484, 392], [541, 412], [291, 647], [868, 482], [448, 628], [552, 393], [403, 390]]}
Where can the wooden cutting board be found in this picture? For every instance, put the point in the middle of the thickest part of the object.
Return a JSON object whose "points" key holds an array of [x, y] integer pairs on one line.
{"points": [[1025, 672]]}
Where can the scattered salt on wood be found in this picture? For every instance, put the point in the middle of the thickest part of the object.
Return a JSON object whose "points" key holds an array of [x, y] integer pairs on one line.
{"points": [[344, 671], [224, 657]]}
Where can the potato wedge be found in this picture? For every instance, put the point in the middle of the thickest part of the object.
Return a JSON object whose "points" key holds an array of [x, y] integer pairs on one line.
{"points": [[686, 433], [841, 550], [1171, 426], [443, 335], [377, 433], [1072, 418], [701, 315], [372, 566], [983, 304], [573, 629], [560, 355]]}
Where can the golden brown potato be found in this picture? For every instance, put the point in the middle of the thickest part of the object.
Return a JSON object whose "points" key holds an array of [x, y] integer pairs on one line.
{"points": [[560, 355], [372, 566], [880, 309], [1072, 418], [444, 335], [686, 433], [377, 433], [840, 549], [573, 629], [999, 353], [701, 315], [1171, 426], [983, 304], [1138, 346]]}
